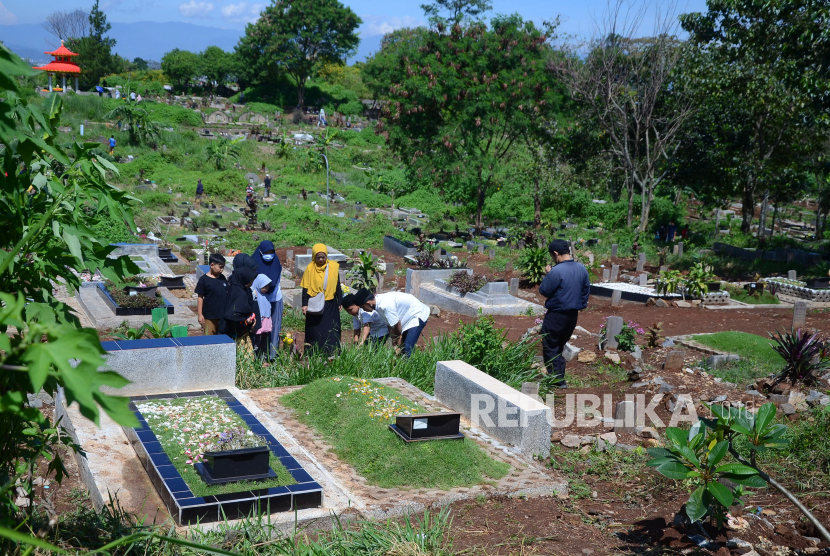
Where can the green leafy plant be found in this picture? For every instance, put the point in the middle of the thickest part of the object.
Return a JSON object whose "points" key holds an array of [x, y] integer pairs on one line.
{"points": [[467, 282], [132, 333], [698, 455], [364, 272], [669, 281], [696, 281], [626, 339], [532, 263], [221, 151], [805, 355], [47, 238], [141, 129]]}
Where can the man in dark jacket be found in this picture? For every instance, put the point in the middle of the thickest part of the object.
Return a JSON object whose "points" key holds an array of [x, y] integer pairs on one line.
{"points": [[566, 288]]}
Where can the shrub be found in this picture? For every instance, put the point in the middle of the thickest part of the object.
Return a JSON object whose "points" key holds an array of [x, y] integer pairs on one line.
{"points": [[297, 116], [805, 355], [532, 263], [465, 282]]}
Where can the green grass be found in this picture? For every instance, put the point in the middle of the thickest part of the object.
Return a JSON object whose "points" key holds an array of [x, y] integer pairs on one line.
{"points": [[374, 451], [740, 294], [757, 356], [175, 450]]}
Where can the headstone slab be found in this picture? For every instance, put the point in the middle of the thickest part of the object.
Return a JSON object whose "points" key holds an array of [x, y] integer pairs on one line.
{"points": [[615, 272], [643, 279], [495, 407], [172, 364], [616, 298], [613, 326], [514, 286], [614, 250], [606, 274], [791, 275], [674, 361], [625, 417], [799, 314], [680, 248]]}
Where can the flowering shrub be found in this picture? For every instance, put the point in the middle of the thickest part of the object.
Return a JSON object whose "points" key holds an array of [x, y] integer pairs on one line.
{"points": [[627, 338]]}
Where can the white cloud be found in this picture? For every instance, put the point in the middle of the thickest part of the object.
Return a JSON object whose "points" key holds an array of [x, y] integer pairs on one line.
{"points": [[6, 17], [196, 9], [242, 11], [381, 24]]}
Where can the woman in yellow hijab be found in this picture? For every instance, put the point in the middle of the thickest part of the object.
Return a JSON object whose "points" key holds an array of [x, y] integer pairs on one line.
{"points": [[321, 301]]}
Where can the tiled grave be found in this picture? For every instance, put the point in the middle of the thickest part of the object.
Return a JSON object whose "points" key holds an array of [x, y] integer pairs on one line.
{"points": [[492, 299], [110, 464], [185, 508]]}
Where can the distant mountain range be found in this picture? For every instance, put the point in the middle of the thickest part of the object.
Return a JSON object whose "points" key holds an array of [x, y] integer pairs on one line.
{"points": [[147, 40]]}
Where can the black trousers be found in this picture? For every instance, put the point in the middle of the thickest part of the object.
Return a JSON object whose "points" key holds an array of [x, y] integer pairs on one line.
{"points": [[557, 328]]}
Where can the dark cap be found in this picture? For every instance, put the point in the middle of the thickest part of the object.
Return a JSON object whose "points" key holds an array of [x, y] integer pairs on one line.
{"points": [[559, 246], [362, 296], [348, 300]]}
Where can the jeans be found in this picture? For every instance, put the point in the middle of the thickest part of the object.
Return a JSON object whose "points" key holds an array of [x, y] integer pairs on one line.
{"points": [[557, 329], [410, 337], [376, 341], [276, 325]]}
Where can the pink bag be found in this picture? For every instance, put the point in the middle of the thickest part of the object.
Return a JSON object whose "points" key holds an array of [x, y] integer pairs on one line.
{"points": [[266, 326]]}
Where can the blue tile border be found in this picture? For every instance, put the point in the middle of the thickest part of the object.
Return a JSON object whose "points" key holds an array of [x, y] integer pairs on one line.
{"points": [[179, 500]]}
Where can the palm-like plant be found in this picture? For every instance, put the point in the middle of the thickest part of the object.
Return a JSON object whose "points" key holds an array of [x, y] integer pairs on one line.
{"points": [[805, 354], [223, 150], [140, 128]]}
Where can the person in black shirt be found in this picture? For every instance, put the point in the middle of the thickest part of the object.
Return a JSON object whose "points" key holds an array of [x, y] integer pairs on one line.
{"points": [[212, 290], [267, 182]]}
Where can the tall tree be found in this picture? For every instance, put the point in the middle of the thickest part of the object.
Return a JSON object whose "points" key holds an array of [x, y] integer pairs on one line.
{"points": [[140, 64], [294, 36], [457, 10], [460, 98], [216, 64], [181, 66], [625, 85], [94, 50], [739, 45], [65, 25]]}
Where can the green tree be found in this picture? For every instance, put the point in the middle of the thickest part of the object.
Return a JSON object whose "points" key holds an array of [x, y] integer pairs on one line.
{"points": [[95, 50], [140, 64], [216, 64], [739, 60], [51, 207], [457, 10], [181, 66], [461, 97], [294, 37]]}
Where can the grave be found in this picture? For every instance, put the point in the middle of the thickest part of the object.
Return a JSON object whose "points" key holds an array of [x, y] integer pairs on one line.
{"points": [[613, 326], [398, 247], [498, 409], [302, 261], [630, 292], [492, 299]]}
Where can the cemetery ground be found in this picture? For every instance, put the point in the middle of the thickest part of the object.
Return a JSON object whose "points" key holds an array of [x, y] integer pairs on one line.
{"points": [[614, 504]]}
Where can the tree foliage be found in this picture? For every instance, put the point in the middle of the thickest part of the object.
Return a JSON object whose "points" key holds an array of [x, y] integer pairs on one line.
{"points": [[141, 129], [94, 51], [294, 37], [460, 98], [180, 65], [50, 196]]}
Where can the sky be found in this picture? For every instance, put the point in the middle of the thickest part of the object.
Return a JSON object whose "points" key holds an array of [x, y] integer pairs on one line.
{"points": [[577, 16]]}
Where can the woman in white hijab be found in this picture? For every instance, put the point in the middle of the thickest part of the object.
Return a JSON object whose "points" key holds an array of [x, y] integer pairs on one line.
{"points": [[261, 333]]}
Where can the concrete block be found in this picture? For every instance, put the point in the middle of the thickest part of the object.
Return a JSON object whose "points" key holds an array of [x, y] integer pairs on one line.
{"points": [[414, 278], [496, 288], [614, 250], [606, 274], [491, 405], [616, 298], [514, 287], [156, 366], [799, 314], [615, 272], [625, 417]]}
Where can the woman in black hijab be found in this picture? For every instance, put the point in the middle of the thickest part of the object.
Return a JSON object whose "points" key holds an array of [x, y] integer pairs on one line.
{"points": [[239, 307]]}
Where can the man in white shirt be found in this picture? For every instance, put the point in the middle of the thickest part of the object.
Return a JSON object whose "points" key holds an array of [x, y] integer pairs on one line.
{"points": [[402, 312], [365, 324], [322, 118]]}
